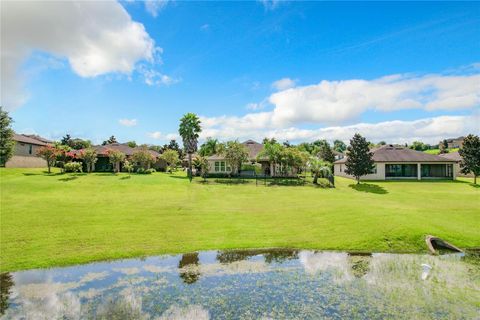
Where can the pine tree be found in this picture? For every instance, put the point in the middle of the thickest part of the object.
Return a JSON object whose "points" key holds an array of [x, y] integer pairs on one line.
{"points": [[6, 137], [470, 153], [359, 158]]}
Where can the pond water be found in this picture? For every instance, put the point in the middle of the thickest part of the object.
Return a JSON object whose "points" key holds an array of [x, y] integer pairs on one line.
{"points": [[252, 284]]}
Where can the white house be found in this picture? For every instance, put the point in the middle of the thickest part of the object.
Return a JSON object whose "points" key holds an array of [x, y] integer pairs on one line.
{"points": [[398, 162]]}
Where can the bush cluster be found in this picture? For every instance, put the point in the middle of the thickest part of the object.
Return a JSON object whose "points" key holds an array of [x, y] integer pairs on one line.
{"points": [[73, 167], [145, 171]]}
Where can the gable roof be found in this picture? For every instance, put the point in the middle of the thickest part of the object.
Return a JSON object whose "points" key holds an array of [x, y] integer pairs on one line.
{"points": [[391, 153], [452, 156], [253, 148], [23, 138]]}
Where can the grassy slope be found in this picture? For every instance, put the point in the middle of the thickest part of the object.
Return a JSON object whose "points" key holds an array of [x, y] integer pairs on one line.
{"points": [[61, 219], [437, 151]]}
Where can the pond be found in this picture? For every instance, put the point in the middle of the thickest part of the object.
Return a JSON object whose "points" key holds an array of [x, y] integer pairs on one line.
{"points": [[251, 284]]}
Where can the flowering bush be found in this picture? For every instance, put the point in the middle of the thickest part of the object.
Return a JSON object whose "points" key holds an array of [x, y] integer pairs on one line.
{"points": [[73, 167], [89, 155], [49, 153], [115, 157]]}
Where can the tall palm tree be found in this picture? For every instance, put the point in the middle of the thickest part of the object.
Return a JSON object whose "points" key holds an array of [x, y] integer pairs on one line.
{"points": [[189, 131]]}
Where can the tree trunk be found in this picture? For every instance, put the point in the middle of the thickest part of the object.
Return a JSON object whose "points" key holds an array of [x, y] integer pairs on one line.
{"points": [[48, 165], [315, 178], [190, 167], [474, 179], [358, 180]]}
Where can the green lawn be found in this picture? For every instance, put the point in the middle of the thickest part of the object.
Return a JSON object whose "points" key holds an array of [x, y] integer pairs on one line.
{"points": [[437, 151], [53, 220]]}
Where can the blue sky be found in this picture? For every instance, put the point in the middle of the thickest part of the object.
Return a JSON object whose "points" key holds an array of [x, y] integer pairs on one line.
{"points": [[224, 60]]}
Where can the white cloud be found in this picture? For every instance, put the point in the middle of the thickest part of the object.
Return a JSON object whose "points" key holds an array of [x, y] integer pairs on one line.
{"points": [[155, 6], [155, 78], [160, 136], [283, 84], [95, 37], [270, 4], [128, 122], [332, 102], [429, 130], [205, 27]]}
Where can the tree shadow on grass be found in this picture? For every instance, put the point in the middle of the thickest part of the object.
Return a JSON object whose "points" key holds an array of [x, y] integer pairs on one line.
{"points": [[231, 181], [178, 177], [66, 179], [287, 182], [125, 177], [369, 188]]}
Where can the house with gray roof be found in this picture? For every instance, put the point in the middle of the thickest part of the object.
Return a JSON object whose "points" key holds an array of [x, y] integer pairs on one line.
{"points": [[398, 162], [25, 152], [218, 165]]}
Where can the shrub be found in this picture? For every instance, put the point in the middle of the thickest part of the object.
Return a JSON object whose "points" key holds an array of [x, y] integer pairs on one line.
{"points": [[145, 171], [73, 167]]}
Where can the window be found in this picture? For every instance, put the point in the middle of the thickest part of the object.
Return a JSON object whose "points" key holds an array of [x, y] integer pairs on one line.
{"points": [[222, 166], [30, 149], [217, 166], [401, 170]]}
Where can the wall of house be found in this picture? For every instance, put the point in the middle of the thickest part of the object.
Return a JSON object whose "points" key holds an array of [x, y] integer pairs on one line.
{"points": [[211, 167], [339, 170], [25, 156], [26, 162]]}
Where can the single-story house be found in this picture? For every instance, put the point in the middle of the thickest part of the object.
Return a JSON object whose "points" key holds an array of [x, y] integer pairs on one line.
{"points": [[103, 162], [399, 162], [218, 165], [457, 158], [25, 152]]}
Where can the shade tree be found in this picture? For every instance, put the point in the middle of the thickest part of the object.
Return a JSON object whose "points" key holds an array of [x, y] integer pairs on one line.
{"points": [[359, 157], [470, 153]]}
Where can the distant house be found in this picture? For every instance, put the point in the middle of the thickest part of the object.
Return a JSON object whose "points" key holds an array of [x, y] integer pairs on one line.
{"points": [[103, 162], [25, 152], [454, 142], [218, 165], [398, 162]]}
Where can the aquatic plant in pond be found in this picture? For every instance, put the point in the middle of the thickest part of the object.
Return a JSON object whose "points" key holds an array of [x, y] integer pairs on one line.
{"points": [[251, 284]]}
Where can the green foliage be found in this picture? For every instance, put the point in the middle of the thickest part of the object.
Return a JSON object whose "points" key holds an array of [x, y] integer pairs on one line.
{"points": [[49, 153], [419, 146], [75, 143], [209, 147], [73, 167], [305, 147], [470, 153], [325, 153], [339, 146], [201, 164], [189, 130], [132, 144], [235, 154], [171, 158], [443, 146], [115, 158], [128, 166], [145, 171], [89, 156], [359, 158], [7, 144], [110, 140], [143, 157], [319, 169]]}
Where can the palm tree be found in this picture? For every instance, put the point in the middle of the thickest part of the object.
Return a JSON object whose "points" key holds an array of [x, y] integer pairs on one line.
{"points": [[189, 131], [319, 169], [271, 151], [209, 147]]}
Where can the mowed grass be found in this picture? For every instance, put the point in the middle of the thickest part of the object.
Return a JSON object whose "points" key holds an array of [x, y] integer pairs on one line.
{"points": [[54, 220]]}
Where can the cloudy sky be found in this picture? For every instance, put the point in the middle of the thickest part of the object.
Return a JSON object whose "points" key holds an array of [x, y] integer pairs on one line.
{"points": [[291, 70]]}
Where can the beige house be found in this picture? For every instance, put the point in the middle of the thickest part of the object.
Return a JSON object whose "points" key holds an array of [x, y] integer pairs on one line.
{"points": [[218, 165], [398, 162], [25, 153], [455, 156], [454, 142]]}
